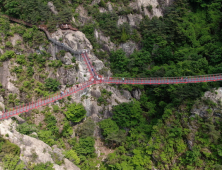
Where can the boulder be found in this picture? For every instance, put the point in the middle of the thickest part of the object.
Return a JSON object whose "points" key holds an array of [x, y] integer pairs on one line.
{"points": [[96, 93], [109, 5], [132, 19], [136, 94], [67, 59], [69, 165], [1, 99], [19, 119], [94, 2], [127, 94], [52, 7], [129, 47], [98, 65]]}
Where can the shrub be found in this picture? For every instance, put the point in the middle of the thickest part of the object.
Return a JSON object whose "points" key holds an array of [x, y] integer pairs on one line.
{"points": [[72, 156], [30, 71], [150, 8], [75, 112], [26, 129], [27, 84], [44, 166], [67, 129], [12, 162], [51, 84], [47, 137], [51, 123], [20, 59], [17, 70], [8, 148], [73, 60], [7, 55], [55, 108], [55, 63], [8, 44]]}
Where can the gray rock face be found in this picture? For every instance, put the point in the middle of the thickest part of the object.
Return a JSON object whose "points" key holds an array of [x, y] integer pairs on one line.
{"points": [[215, 96], [141, 5], [74, 39], [95, 111], [30, 145], [132, 19], [206, 111], [67, 76], [6, 77], [1, 99], [129, 47], [106, 43], [19, 119], [190, 144], [136, 94], [122, 19], [94, 2], [102, 10], [67, 59], [83, 17], [127, 94], [2, 107], [109, 5], [96, 93], [52, 7], [77, 41], [98, 65], [15, 38]]}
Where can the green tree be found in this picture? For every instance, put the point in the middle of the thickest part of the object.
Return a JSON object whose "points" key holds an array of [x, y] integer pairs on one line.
{"points": [[127, 114], [85, 147], [51, 84], [117, 137], [119, 61], [86, 129], [75, 112], [108, 126]]}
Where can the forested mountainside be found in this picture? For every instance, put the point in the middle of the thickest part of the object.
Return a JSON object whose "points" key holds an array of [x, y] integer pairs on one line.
{"points": [[112, 127]]}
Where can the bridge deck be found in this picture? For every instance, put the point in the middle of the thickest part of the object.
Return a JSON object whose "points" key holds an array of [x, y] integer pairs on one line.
{"points": [[94, 79]]}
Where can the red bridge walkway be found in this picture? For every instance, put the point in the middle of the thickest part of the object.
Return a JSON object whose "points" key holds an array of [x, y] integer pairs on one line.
{"points": [[94, 79]]}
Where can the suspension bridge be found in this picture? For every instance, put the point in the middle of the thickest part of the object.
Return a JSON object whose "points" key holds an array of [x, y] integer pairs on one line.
{"points": [[97, 79]]}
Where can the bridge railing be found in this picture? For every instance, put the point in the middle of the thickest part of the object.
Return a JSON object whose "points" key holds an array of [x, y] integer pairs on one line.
{"points": [[162, 80], [43, 101]]}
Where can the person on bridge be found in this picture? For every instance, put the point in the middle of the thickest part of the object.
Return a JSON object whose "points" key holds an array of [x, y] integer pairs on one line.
{"points": [[61, 93], [185, 78], [123, 79]]}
